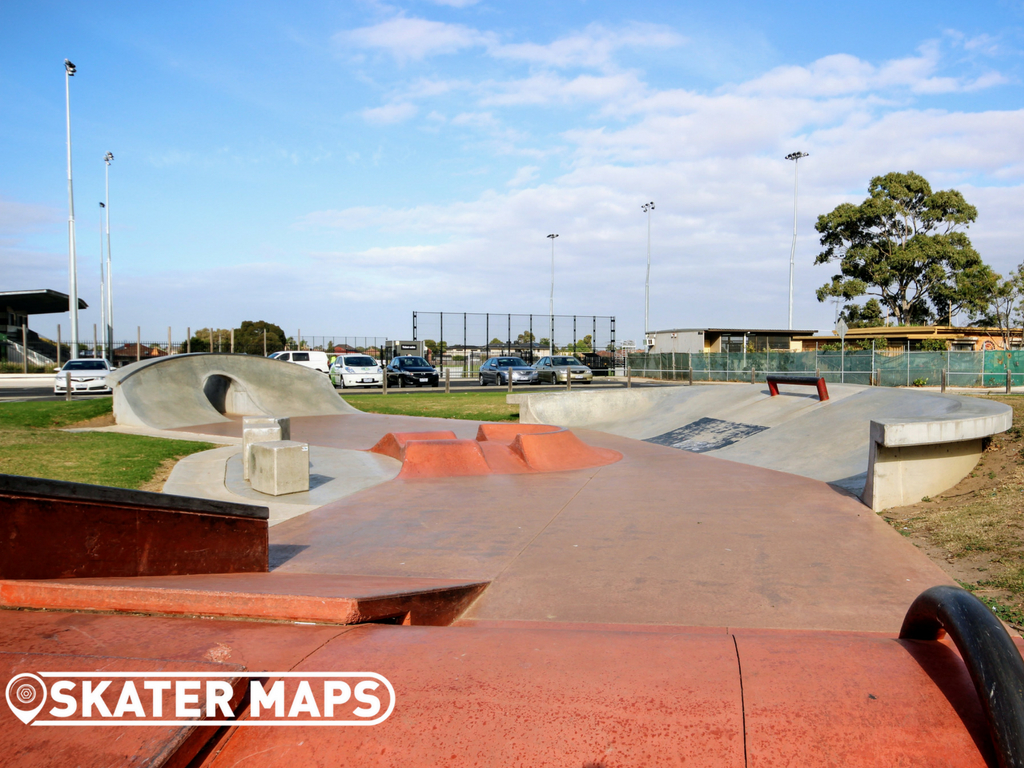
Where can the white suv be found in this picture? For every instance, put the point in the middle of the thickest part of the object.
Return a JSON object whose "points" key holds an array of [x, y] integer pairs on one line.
{"points": [[306, 358], [356, 371]]}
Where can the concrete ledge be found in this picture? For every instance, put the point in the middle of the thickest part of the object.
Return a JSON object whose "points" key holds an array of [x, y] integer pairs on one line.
{"points": [[59, 489], [911, 459], [51, 529]]}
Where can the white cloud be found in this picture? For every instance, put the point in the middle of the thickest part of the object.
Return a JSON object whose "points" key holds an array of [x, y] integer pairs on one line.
{"points": [[523, 176], [593, 47], [413, 39], [389, 113]]}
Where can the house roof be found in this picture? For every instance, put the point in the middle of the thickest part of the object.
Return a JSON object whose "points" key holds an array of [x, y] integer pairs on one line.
{"points": [[772, 331]]}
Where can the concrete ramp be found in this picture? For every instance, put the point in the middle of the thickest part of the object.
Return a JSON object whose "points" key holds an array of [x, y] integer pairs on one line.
{"points": [[793, 432], [185, 390]]}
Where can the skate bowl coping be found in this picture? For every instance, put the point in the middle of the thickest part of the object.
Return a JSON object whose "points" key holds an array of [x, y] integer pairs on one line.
{"points": [[204, 388]]}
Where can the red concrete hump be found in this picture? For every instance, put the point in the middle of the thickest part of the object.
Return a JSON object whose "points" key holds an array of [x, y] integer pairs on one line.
{"points": [[506, 433], [393, 443], [443, 458], [499, 449], [562, 450]]}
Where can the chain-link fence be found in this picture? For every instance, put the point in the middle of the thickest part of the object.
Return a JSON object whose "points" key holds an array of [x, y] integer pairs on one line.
{"points": [[888, 368], [461, 341]]}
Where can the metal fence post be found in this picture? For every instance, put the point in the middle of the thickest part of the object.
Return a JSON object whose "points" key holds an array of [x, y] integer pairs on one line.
{"points": [[384, 381], [24, 348]]}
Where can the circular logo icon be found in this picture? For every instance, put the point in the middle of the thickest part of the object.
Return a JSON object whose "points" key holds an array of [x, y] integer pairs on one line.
{"points": [[26, 695]]}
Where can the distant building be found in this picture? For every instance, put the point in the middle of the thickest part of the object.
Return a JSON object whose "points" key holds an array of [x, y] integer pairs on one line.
{"points": [[710, 340], [956, 339], [15, 309]]}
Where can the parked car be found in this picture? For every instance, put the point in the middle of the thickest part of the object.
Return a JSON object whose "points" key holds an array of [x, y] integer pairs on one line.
{"points": [[411, 371], [86, 376], [307, 358], [355, 371], [495, 371], [556, 368]]}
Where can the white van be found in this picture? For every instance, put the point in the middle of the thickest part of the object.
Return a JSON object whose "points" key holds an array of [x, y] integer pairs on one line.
{"points": [[307, 358]]}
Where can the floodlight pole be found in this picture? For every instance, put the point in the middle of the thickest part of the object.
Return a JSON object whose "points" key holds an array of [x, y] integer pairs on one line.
{"points": [[795, 157], [103, 290], [69, 72], [551, 302], [107, 158], [647, 208]]}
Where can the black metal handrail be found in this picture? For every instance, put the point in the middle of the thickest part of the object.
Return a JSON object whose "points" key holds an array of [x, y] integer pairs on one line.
{"points": [[991, 658]]}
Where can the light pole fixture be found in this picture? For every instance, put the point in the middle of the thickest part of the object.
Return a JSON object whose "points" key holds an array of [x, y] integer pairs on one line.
{"points": [[795, 157], [551, 302], [69, 72], [109, 298], [647, 208]]}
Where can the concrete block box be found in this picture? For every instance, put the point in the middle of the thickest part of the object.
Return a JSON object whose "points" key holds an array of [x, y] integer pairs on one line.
{"points": [[279, 467], [262, 429]]}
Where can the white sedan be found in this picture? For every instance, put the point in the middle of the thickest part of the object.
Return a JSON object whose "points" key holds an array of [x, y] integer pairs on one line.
{"points": [[355, 371], [87, 377]]}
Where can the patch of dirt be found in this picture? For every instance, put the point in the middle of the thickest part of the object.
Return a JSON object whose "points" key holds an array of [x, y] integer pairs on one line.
{"points": [[156, 483], [975, 530], [106, 420]]}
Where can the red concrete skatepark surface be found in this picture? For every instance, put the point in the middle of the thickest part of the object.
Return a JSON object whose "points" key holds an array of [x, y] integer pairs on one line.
{"points": [[537, 596]]}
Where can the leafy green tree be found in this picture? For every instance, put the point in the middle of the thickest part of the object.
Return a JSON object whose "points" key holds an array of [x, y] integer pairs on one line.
{"points": [[249, 337], [902, 245], [867, 316], [435, 347], [1005, 309], [525, 338], [970, 290]]}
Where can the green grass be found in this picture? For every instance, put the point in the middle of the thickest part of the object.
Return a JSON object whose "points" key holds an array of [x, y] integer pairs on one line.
{"points": [[475, 406], [52, 415], [33, 445]]}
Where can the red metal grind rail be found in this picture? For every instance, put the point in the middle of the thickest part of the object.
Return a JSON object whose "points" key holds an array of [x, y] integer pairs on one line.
{"points": [[809, 381]]}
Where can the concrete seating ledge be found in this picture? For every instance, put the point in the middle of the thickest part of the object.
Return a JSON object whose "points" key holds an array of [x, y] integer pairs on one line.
{"points": [[914, 458]]}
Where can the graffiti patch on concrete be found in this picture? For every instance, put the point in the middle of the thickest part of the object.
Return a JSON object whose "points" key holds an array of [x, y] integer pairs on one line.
{"points": [[706, 435]]}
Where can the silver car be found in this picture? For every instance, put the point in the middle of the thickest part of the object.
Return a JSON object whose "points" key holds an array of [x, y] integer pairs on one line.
{"points": [[87, 376], [556, 369], [495, 371]]}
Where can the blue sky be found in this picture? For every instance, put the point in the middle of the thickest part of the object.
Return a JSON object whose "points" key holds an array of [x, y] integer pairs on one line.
{"points": [[335, 166]]}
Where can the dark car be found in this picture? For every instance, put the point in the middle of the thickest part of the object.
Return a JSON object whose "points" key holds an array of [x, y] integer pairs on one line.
{"points": [[411, 371], [495, 371]]}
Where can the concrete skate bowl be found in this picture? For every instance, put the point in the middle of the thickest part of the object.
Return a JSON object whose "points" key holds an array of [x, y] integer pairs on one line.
{"points": [[889, 446], [186, 390]]}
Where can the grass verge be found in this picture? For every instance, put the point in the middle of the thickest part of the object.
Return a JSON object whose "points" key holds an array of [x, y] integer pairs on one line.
{"points": [[33, 444], [475, 406], [975, 530]]}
